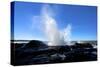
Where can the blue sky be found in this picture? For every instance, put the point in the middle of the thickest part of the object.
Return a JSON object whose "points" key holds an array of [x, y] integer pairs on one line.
{"points": [[27, 23]]}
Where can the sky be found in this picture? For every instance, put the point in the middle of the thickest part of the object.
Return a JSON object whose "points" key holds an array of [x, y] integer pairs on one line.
{"points": [[28, 21]]}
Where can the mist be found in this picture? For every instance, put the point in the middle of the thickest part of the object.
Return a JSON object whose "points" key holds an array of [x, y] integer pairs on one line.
{"points": [[55, 36]]}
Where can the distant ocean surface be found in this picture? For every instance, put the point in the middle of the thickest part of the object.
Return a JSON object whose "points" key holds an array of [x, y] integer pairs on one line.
{"points": [[20, 41], [93, 42]]}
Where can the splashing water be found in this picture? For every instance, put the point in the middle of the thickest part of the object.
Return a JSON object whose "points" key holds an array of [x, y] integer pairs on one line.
{"points": [[55, 36]]}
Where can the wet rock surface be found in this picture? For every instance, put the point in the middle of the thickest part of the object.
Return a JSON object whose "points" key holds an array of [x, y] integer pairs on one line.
{"points": [[37, 52]]}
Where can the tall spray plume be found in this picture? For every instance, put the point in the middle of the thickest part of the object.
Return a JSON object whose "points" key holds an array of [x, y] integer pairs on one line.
{"points": [[55, 36]]}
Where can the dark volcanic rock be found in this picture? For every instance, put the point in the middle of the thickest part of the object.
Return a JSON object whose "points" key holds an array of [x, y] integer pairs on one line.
{"points": [[82, 45], [37, 52], [36, 44]]}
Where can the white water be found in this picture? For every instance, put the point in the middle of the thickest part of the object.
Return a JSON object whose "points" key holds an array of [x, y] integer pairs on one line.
{"points": [[54, 35]]}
